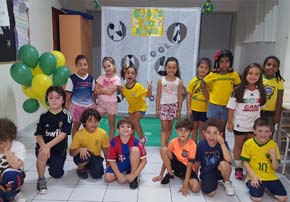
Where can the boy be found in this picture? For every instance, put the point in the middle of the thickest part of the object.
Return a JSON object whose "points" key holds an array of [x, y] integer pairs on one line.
{"points": [[12, 154], [51, 137], [126, 156], [213, 157], [178, 158], [87, 145], [260, 157]]}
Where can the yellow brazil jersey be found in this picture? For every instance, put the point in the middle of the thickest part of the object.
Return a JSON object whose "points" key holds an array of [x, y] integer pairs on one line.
{"points": [[259, 158], [198, 101], [95, 141], [135, 97], [220, 86], [272, 86]]}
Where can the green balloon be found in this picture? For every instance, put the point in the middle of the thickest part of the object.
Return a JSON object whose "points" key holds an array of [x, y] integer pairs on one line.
{"points": [[60, 76], [47, 63], [29, 55], [21, 73], [30, 105]]}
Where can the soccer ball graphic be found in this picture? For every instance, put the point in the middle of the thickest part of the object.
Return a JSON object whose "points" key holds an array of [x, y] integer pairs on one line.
{"points": [[117, 31]]}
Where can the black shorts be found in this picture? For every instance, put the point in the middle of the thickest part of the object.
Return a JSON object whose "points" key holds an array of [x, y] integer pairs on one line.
{"points": [[180, 169], [242, 133], [209, 182], [198, 116]]}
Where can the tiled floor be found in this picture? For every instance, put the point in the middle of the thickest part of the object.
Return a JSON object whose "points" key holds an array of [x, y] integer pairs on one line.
{"points": [[71, 188]]}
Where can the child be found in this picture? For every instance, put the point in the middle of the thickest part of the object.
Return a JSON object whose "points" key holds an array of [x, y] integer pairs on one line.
{"points": [[220, 83], [196, 102], [126, 156], [51, 137], [178, 158], [214, 159], [79, 88], [106, 88], [244, 108], [169, 98], [87, 145], [135, 94], [12, 155], [260, 157], [274, 86]]}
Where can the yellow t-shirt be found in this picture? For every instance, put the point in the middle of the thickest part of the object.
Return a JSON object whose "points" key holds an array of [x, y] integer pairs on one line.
{"points": [[198, 101], [220, 86], [183, 153], [95, 141], [135, 97], [272, 87], [259, 158]]}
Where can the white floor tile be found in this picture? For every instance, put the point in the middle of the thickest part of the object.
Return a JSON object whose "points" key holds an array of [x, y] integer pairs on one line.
{"points": [[121, 194], [178, 197], [57, 192], [149, 194], [88, 193]]}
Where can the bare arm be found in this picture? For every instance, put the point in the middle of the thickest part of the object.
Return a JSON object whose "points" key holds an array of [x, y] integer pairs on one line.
{"points": [[204, 90], [255, 180], [230, 124], [188, 104], [184, 188], [138, 170], [279, 104], [226, 152], [158, 96], [13, 160], [68, 100], [180, 89], [149, 89]]}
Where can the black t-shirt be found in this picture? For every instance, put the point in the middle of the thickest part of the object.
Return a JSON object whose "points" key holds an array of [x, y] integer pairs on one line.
{"points": [[51, 125]]}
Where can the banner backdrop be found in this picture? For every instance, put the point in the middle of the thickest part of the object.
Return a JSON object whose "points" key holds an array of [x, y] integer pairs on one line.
{"points": [[146, 37]]}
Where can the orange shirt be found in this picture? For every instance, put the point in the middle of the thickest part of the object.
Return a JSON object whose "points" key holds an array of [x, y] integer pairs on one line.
{"points": [[183, 153]]}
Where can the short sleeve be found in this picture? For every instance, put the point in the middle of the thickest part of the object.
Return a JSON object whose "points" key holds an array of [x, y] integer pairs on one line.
{"points": [[19, 150], [209, 78], [69, 85], [75, 141], [280, 85], [198, 152], [237, 80], [100, 80], [40, 128], [232, 104], [189, 87], [105, 141], [112, 152], [67, 123], [142, 150], [93, 85], [245, 154], [118, 81]]}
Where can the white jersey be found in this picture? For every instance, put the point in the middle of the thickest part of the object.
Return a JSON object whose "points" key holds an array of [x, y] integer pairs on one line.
{"points": [[247, 111], [169, 92]]}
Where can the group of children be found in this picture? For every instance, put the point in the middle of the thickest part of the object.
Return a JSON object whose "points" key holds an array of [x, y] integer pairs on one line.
{"points": [[216, 98]]}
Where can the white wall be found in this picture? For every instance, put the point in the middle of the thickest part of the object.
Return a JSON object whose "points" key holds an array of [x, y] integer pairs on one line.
{"points": [[11, 98]]}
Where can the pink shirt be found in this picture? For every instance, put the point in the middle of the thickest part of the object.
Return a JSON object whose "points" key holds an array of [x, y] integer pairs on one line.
{"points": [[107, 82]]}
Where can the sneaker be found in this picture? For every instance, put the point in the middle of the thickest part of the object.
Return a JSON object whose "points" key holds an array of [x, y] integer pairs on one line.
{"points": [[239, 173], [144, 140], [166, 178], [134, 183], [229, 188], [82, 173], [41, 186], [19, 197]]}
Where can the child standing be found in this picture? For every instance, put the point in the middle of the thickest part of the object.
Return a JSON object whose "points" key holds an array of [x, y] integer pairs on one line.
{"points": [[135, 95], [195, 101], [214, 159], [260, 156], [51, 137], [274, 87], [106, 89], [126, 155], [88, 144], [179, 157], [79, 88], [220, 83], [12, 155], [244, 108], [169, 98]]}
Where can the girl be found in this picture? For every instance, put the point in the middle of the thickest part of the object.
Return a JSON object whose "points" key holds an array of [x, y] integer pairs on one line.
{"points": [[196, 102], [51, 137], [169, 98], [244, 108], [221, 83], [88, 144], [106, 88], [135, 94], [274, 88], [79, 88]]}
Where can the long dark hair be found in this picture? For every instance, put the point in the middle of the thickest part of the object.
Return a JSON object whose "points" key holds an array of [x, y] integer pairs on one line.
{"points": [[173, 59], [240, 90], [222, 54], [277, 74]]}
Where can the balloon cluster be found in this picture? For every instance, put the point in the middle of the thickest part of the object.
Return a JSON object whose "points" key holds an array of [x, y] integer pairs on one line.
{"points": [[36, 74]]}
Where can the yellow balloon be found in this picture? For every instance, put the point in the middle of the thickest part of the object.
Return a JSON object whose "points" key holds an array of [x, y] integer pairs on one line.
{"points": [[36, 70], [40, 83], [60, 59], [28, 92]]}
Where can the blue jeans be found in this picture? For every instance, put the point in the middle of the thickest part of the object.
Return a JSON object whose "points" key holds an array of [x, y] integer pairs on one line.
{"points": [[217, 112]]}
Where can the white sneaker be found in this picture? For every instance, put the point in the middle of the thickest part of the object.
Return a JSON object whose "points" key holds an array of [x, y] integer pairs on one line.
{"points": [[19, 197], [229, 188]]}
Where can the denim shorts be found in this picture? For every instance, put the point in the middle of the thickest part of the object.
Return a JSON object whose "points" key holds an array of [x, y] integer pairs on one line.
{"points": [[217, 111]]}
